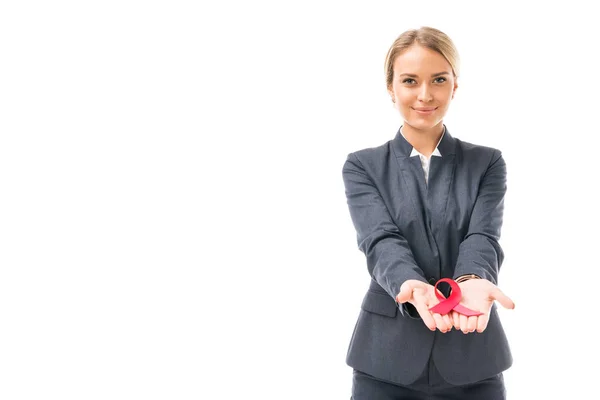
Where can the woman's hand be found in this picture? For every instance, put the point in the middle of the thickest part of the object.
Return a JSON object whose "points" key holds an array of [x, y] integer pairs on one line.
{"points": [[422, 296], [478, 295]]}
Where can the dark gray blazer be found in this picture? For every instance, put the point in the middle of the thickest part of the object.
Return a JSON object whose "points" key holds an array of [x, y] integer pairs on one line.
{"points": [[410, 230]]}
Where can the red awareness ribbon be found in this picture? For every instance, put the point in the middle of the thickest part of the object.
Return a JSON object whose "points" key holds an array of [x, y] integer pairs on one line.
{"points": [[452, 302]]}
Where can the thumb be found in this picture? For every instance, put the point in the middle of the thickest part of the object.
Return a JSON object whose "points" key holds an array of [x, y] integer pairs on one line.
{"points": [[503, 299], [407, 288]]}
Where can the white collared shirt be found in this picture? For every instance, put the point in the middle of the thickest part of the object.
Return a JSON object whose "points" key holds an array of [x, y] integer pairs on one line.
{"points": [[425, 161]]}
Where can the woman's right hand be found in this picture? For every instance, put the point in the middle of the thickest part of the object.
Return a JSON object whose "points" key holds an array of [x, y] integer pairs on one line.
{"points": [[422, 296]]}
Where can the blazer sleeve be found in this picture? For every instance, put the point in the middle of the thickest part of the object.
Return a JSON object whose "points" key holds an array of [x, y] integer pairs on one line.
{"points": [[479, 252], [389, 258]]}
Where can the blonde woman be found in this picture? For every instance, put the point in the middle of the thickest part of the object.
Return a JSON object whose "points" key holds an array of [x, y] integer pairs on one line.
{"points": [[427, 206]]}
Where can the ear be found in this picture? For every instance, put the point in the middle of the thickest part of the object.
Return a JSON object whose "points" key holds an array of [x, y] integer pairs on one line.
{"points": [[390, 92], [454, 88]]}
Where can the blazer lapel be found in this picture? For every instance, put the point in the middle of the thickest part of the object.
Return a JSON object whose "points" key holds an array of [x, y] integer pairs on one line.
{"points": [[412, 176], [414, 181], [429, 200], [441, 174]]}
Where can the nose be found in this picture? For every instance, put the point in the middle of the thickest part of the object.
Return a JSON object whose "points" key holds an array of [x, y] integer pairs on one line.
{"points": [[425, 93]]}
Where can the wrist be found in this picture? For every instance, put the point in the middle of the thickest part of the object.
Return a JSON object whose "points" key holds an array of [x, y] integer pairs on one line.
{"points": [[466, 277]]}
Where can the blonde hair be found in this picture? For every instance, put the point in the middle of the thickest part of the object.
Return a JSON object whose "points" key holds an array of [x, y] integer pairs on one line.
{"points": [[431, 38]]}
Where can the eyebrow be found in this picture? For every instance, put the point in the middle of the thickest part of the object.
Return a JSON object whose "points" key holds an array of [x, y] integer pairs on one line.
{"points": [[432, 75]]}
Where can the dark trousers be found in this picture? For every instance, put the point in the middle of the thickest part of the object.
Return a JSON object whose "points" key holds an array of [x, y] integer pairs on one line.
{"points": [[429, 385]]}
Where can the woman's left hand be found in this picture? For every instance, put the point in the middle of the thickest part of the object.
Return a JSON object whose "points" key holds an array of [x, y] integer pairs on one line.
{"points": [[478, 295]]}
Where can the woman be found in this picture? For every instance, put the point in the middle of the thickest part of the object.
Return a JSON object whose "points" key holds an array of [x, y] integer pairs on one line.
{"points": [[427, 206]]}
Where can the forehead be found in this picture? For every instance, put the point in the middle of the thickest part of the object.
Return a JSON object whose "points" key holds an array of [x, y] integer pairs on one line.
{"points": [[420, 60]]}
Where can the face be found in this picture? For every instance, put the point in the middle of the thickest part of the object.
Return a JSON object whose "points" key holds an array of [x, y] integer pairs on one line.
{"points": [[423, 87]]}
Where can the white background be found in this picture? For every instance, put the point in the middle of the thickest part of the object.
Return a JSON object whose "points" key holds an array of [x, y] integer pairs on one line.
{"points": [[173, 223]]}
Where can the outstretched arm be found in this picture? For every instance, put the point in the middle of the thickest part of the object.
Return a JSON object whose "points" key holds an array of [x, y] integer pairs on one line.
{"points": [[389, 258], [480, 253]]}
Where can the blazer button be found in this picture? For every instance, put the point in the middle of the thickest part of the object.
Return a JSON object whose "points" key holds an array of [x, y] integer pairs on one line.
{"points": [[432, 281]]}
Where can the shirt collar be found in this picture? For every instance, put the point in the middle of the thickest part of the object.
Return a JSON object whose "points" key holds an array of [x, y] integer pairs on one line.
{"points": [[436, 152]]}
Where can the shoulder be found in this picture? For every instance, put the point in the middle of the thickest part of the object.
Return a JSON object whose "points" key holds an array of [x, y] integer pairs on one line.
{"points": [[370, 156], [476, 153]]}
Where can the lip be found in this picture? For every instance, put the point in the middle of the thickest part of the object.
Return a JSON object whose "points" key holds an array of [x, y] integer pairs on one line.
{"points": [[425, 110]]}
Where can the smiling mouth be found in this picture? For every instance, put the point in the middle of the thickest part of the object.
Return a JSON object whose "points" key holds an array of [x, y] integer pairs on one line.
{"points": [[426, 110]]}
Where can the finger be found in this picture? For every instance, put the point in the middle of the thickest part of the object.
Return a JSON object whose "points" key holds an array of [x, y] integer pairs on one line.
{"points": [[405, 294], [503, 299], [456, 320], [448, 321], [472, 323], [464, 326], [441, 325], [482, 322]]}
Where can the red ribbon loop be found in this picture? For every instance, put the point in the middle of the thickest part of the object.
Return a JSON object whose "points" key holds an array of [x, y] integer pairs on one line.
{"points": [[452, 302]]}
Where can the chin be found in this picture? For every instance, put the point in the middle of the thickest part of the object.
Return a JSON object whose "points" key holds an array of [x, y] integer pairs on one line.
{"points": [[423, 125]]}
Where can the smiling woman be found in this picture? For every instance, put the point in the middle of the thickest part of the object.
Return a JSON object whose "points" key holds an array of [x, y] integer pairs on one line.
{"points": [[427, 208], [422, 98], [421, 76]]}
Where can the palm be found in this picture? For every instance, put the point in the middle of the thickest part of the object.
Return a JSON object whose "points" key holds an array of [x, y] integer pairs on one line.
{"points": [[477, 295], [422, 296], [425, 296]]}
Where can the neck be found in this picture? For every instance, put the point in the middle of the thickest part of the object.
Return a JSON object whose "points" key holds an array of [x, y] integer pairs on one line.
{"points": [[423, 140]]}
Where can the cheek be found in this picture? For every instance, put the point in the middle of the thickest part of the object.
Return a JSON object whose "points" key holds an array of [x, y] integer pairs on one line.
{"points": [[446, 95], [406, 98]]}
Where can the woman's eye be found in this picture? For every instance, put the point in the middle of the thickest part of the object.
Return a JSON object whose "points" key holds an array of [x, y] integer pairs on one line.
{"points": [[440, 80], [409, 81]]}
